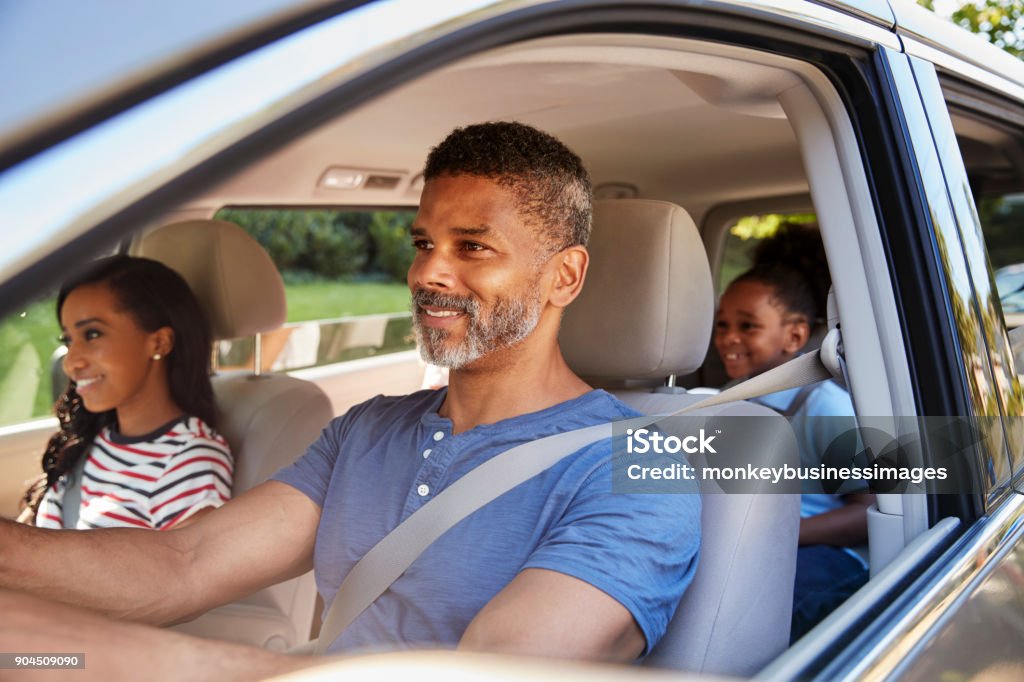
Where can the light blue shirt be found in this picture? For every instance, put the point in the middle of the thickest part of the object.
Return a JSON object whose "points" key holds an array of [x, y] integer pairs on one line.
{"points": [[826, 413], [387, 457]]}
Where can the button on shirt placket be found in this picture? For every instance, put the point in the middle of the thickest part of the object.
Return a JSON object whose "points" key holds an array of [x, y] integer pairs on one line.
{"points": [[434, 458]]}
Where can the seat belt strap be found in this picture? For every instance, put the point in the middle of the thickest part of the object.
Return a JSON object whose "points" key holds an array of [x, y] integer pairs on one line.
{"points": [[800, 371], [395, 552], [801, 397], [72, 503]]}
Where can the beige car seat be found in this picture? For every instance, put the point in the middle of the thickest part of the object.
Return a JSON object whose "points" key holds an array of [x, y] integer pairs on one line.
{"points": [[645, 314], [269, 420]]}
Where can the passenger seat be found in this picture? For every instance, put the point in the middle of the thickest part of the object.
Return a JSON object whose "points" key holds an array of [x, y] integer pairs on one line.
{"points": [[645, 314], [268, 420]]}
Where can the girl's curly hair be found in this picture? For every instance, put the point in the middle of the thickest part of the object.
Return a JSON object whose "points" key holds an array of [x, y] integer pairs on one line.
{"points": [[792, 262]]}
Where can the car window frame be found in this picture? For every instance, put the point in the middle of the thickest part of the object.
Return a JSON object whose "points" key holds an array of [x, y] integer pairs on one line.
{"points": [[975, 255], [993, 108], [137, 205]]}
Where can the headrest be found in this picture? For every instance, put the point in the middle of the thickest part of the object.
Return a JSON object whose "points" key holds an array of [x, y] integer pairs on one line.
{"points": [[234, 279], [647, 306]]}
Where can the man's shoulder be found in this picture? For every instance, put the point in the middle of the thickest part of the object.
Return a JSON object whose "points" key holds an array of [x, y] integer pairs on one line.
{"points": [[600, 405], [391, 408], [423, 400], [593, 408]]}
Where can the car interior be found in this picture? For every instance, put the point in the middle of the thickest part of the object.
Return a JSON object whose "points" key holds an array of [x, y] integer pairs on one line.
{"points": [[266, 419], [682, 138]]}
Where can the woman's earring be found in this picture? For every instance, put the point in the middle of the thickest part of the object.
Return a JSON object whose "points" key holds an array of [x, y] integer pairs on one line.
{"points": [[157, 356]]}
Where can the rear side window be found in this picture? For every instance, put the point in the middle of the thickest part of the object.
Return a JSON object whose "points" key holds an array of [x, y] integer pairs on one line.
{"points": [[1002, 221], [990, 137], [31, 359], [344, 274], [741, 242]]}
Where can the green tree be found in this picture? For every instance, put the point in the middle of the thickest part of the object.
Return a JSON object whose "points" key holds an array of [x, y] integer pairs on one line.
{"points": [[325, 243], [1001, 22], [394, 251], [767, 224]]}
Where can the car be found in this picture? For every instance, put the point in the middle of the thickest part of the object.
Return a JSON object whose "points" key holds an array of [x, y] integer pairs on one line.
{"points": [[897, 130]]}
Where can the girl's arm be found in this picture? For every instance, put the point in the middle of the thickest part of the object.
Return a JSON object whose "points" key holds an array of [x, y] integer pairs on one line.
{"points": [[846, 526]]}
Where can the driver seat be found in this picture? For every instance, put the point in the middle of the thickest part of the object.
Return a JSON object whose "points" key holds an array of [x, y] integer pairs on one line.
{"points": [[649, 300]]}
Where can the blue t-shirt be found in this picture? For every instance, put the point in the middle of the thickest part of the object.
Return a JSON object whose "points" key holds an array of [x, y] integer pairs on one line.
{"points": [[384, 459], [826, 413]]}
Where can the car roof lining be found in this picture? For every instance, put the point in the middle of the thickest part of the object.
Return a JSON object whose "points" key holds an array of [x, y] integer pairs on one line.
{"points": [[615, 98]]}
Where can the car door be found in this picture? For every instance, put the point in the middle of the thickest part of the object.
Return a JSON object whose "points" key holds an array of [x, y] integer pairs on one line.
{"points": [[969, 617], [870, 172]]}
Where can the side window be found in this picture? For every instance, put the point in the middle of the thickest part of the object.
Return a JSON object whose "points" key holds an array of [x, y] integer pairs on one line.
{"points": [[28, 340], [990, 139], [344, 274], [1002, 222], [993, 155]]}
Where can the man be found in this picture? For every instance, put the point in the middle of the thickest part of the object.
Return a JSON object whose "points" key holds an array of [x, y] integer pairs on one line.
{"points": [[557, 566]]}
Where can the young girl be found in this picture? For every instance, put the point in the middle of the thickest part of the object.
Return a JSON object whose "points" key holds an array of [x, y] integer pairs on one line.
{"points": [[765, 318], [136, 445]]}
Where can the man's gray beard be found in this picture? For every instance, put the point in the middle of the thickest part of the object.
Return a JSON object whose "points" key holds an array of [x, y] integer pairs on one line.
{"points": [[511, 320]]}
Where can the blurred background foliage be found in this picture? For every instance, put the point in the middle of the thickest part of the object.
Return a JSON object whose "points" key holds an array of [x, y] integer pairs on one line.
{"points": [[767, 224], [317, 244], [1000, 22]]}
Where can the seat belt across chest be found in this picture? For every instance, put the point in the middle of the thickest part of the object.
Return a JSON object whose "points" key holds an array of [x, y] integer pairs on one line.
{"points": [[395, 552]]}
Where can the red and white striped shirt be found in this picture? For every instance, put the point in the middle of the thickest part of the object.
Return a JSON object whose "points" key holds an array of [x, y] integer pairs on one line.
{"points": [[152, 481]]}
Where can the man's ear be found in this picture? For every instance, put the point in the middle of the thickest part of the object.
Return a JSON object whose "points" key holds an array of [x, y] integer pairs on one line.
{"points": [[797, 334], [570, 270]]}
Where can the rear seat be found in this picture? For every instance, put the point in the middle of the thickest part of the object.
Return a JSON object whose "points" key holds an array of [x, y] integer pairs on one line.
{"points": [[646, 313]]}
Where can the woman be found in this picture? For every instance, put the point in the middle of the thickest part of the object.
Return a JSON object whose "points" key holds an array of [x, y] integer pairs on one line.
{"points": [[136, 445]]}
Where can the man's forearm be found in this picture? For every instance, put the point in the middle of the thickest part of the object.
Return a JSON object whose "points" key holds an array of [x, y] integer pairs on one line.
{"points": [[127, 651], [126, 573]]}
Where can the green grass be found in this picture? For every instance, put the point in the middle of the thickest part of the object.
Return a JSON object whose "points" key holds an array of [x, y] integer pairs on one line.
{"points": [[324, 300]]}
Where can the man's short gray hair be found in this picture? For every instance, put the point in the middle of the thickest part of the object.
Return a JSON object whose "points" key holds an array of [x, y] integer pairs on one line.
{"points": [[550, 185]]}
